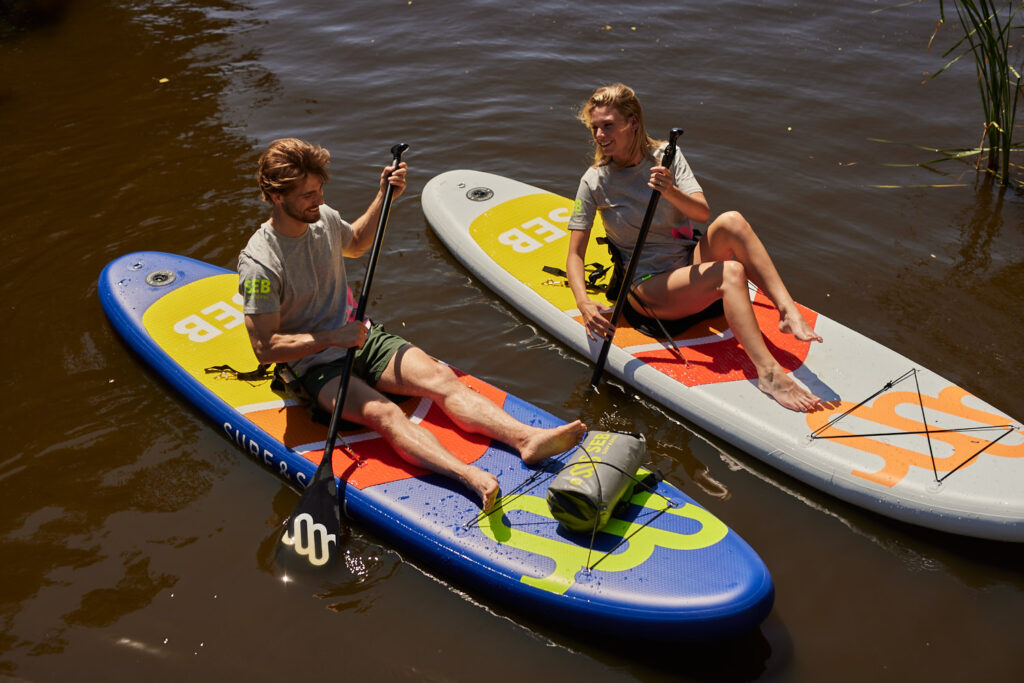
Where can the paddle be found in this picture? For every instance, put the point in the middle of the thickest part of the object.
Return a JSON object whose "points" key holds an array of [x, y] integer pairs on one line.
{"points": [[622, 299], [312, 533]]}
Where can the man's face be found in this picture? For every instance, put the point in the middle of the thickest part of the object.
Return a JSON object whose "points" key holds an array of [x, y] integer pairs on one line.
{"points": [[303, 201]]}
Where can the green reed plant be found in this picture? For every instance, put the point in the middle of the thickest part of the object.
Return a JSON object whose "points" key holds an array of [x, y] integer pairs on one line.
{"points": [[987, 37]]}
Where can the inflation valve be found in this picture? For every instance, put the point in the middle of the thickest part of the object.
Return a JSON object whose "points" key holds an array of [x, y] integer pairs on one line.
{"points": [[160, 278], [480, 194]]}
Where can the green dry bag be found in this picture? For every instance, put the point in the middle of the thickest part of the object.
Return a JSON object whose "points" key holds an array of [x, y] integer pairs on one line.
{"points": [[598, 474]]}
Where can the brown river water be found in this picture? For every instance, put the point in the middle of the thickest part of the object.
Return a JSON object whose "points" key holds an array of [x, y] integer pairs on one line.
{"points": [[137, 540]]}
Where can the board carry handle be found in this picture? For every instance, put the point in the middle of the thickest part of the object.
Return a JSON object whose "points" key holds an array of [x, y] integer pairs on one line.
{"points": [[313, 532], [622, 299]]}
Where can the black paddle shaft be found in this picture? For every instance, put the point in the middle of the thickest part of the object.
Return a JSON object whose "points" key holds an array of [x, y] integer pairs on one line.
{"points": [[627, 279], [364, 297], [313, 531]]}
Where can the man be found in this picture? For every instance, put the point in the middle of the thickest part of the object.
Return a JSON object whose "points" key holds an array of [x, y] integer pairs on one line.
{"points": [[292, 278]]}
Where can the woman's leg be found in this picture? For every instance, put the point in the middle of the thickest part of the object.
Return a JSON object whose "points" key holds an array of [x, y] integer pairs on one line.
{"points": [[688, 290], [730, 237]]}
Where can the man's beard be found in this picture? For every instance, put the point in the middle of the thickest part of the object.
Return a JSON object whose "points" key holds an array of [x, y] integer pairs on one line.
{"points": [[305, 217]]}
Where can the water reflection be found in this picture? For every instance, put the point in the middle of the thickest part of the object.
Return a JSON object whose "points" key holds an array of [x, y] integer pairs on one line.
{"points": [[983, 224], [348, 586], [99, 453]]}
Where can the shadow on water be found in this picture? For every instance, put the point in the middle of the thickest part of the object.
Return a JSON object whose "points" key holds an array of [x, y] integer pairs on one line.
{"points": [[18, 15], [740, 657], [974, 562], [743, 657]]}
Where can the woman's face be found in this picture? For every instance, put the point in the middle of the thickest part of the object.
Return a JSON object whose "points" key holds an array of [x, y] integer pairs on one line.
{"points": [[614, 134]]}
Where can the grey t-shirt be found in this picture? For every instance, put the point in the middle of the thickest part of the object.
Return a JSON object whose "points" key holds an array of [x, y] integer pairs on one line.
{"points": [[622, 196], [302, 278]]}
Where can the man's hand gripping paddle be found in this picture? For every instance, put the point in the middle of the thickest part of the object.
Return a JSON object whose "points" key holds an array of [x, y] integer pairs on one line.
{"points": [[627, 280], [313, 532]]}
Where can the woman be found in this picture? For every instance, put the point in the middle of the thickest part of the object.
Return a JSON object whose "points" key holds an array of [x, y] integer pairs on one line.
{"points": [[678, 275]]}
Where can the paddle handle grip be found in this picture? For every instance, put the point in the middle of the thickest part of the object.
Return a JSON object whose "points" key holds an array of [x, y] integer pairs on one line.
{"points": [[623, 298]]}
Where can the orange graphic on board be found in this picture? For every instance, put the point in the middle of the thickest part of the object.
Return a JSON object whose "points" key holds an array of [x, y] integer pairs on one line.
{"points": [[719, 359], [951, 449], [378, 463]]}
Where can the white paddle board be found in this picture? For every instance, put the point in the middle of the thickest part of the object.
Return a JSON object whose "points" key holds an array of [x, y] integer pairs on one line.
{"points": [[892, 436]]}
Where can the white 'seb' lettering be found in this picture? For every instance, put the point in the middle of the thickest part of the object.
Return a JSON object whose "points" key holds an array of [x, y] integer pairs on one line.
{"points": [[310, 539], [199, 329], [536, 232]]}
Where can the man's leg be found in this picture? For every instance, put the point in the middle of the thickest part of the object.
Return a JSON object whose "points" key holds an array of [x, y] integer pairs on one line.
{"points": [[414, 443], [412, 372]]}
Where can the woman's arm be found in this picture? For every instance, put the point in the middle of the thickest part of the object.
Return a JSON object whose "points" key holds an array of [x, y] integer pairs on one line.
{"points": [[597, 325], [693, 206]]}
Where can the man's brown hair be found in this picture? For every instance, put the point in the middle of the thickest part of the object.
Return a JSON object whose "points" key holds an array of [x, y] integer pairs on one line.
{"points": [[286, 162]]}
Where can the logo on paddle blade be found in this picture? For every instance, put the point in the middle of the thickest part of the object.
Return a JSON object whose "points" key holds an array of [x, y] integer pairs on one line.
{"points": [[310, 539]]}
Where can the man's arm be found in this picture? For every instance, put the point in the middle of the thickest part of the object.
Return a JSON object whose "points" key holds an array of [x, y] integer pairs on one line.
{"points": [[364, 227], [271, 346]]}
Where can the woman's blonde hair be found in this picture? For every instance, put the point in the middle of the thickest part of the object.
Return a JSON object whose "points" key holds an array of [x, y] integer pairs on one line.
{"points": [[287, 161], [626, 103]]}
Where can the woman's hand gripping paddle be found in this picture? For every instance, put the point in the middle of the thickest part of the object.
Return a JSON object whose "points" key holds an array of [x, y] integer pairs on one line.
{"points": [[312, 534], [627, 279]]}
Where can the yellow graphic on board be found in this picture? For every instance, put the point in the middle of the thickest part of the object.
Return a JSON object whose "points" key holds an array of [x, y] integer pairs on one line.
{"points": [[526, 234], [570, 558], [201, 325]]}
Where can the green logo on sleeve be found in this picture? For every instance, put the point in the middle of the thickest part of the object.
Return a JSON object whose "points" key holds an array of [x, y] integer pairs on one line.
{"points": [[256, 288]]}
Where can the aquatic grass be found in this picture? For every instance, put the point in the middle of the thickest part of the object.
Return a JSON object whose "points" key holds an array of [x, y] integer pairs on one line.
{"points": [[987, 37], [944, 155]]}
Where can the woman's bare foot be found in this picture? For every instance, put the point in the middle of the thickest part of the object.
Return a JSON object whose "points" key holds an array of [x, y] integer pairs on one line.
{"points": [[792, 322], [543, 443], [787, 392], [484, 483]]}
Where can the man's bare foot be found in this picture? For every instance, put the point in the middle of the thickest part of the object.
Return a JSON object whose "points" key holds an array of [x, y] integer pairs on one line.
{"points": [[543, 443], [787, 392], [792, 322], [484, 483]]}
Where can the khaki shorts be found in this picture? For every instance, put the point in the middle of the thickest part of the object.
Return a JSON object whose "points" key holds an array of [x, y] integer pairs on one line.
{"points": [[370, 363]]}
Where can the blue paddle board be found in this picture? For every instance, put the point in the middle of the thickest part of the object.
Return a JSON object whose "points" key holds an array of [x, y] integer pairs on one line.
{"points": [[663, 568]]}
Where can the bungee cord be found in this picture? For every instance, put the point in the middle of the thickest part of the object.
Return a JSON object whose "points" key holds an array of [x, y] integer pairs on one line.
{"points": [[925, 431], [643, 519]]}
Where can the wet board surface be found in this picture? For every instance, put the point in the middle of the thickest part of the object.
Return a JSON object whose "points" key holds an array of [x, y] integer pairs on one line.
{"points": [[893, 437], [663, 567]]}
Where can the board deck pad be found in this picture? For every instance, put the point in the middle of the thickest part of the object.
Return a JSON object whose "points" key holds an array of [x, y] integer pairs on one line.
{"points": [[663, 568], [891, 436]]}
